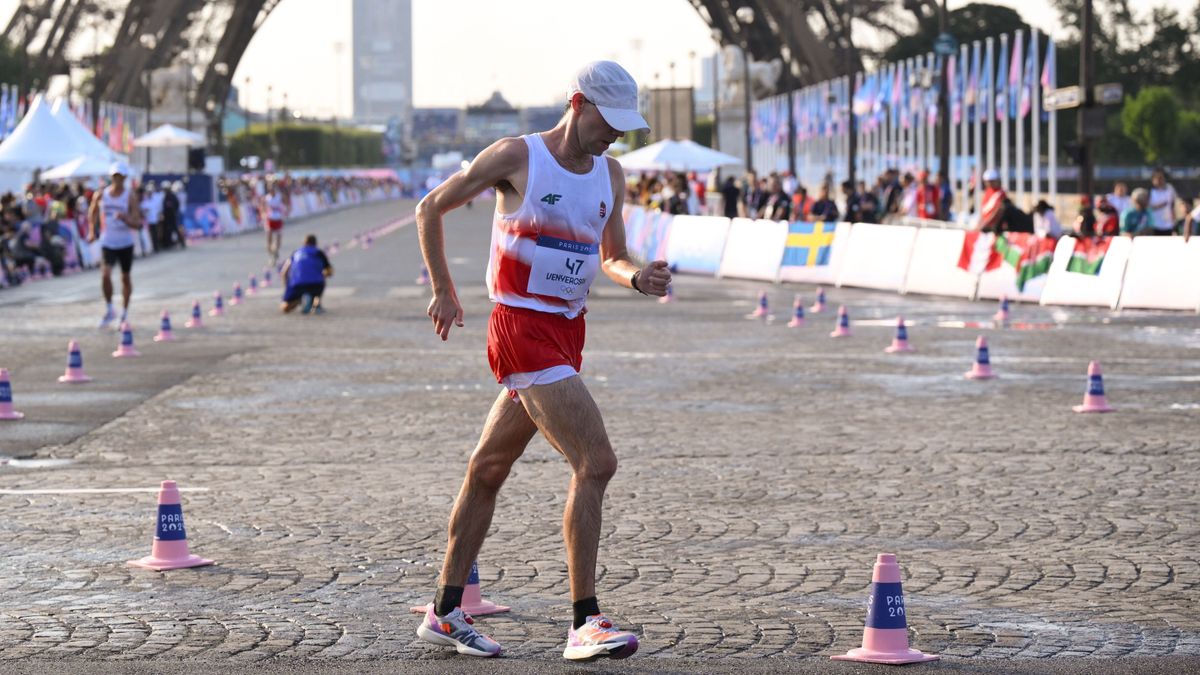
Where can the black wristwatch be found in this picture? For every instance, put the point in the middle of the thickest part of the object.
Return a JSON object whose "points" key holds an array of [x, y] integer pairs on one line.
{"points": [[633, 282]]}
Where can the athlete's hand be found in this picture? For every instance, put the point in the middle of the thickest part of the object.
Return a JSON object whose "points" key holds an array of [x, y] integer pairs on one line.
{"points": [[444, 310], [655, 278]]}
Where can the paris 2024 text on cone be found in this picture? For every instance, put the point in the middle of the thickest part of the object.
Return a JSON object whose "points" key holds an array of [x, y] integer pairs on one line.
{"points": [[1094, 400], [6, 402], [170, 548], [472, 599], [885, 636], [74, 374]]}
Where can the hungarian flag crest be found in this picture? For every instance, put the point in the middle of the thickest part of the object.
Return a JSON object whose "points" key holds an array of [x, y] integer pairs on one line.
{"points": [[1030, 254], [1088, 255]]}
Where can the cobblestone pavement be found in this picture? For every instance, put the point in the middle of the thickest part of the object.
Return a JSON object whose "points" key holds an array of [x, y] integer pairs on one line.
{"points": [[762, 469]]}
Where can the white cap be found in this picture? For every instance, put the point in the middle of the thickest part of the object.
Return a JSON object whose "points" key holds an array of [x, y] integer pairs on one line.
{"points": [[614, 92], [118, 168], [991, 174]]}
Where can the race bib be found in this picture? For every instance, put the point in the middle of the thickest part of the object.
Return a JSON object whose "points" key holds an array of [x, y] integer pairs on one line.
{"points": [[563, 268]]}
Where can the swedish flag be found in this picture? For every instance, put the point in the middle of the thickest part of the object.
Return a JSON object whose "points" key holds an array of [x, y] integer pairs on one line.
{"points": [[808, 244]]}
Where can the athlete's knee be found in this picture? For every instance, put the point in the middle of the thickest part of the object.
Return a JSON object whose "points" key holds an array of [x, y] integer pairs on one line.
{"points": [[488, 473], [598, 466]]}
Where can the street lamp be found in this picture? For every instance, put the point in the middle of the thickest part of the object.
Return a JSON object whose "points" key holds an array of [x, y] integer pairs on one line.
{"points": [[745, 16], [149, 41], [716, 135]]}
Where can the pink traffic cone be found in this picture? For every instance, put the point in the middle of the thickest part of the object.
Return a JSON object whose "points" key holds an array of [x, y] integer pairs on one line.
{"points": [[164, 329], [6, 404], [819, 305], [218, 305], [1002, 314], [170, 548], [669, 297], [196, 321], [74, 372], [797, 313], [900, 342], [843, 324], [266, 278], [126, 349], [423, 277], [252, 287], [237, 294], [472, 600], [762, 311], [1094, 400], [885, 636], [982, 368]]}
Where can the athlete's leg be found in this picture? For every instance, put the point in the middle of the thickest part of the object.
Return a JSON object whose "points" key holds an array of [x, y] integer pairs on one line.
{"points": [[568, 417], [505, 434], [126, 288], [106, 287]]}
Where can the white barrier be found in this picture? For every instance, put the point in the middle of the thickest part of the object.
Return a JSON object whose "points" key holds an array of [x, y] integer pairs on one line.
{"points": [[933, 267], [1074, 288], [819, 274], [754, 249], [877, 256], [697, 243], [1163, 273]]}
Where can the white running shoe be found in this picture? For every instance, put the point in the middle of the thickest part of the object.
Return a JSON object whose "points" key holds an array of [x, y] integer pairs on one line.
{"points": [[598, 637], [109, 316], [456, 630]]}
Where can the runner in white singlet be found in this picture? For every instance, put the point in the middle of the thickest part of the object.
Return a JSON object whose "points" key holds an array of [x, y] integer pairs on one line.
{"points": [[115, 218], [557, 226]]}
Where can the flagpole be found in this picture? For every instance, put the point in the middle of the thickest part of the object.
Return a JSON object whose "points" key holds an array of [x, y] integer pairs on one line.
{"points": [[976, 48], [1035, 117], [951, 167], [963, 129], [1003, 72], [1052, 137], [989, 109], [1020, 122]]}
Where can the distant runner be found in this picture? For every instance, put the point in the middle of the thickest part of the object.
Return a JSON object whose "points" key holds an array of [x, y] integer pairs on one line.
{"points": [[273, 211], [557, 224], [115, 218]]}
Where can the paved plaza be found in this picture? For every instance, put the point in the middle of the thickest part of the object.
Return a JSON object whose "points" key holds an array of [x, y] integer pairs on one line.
{"points": [[762, 469]]}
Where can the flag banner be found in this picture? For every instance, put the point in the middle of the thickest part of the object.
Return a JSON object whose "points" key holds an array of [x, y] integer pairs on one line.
{"points": [[1049, 73], [1014, 75], [1030, 77], [978, 253], [1029, 254], [808, 244], [955, 90], [1088, 255], [985, 86], [1002, 83]]}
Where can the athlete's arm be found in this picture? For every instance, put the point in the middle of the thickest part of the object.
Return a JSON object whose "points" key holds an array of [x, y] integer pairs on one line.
{"points": [[134, 218], [614, 256], [94, 218], [501, 161]]}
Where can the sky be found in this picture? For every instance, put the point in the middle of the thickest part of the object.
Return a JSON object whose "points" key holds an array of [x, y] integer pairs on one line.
{"points": [[463, 50]]}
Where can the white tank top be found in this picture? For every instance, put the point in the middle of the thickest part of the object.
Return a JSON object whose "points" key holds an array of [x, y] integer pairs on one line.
{"points": [[116, 233], [546, 254]]}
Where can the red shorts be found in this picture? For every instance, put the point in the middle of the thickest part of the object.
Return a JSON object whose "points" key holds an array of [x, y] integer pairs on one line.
{"points": [[526, 340], [274, 225]]}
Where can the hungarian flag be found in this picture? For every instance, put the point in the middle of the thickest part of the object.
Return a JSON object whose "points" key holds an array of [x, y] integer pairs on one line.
{"points": [[1088, 255], [978, 253], [1030, 254]]}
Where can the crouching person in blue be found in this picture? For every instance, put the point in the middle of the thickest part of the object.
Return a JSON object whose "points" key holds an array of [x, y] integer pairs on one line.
{"points": [[305, 273]]}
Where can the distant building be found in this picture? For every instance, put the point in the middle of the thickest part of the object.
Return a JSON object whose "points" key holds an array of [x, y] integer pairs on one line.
{"points": [[540, 118], [383, 62], [492, 120], [470, 130]]}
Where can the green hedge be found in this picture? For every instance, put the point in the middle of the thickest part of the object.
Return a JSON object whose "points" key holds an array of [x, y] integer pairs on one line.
{"points": [[308, 145]]}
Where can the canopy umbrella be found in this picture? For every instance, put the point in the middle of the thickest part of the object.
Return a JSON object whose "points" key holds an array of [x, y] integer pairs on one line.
{"points": [[671, 155], [84, 166], [169, 136]]}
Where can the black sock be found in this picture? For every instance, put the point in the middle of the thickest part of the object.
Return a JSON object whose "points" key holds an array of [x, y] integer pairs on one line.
{"points": [[585, 608], [447, 598]]}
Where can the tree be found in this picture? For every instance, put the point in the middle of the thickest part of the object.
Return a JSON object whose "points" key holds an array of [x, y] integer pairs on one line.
{"points": [[1152, 120], [975, 21]]}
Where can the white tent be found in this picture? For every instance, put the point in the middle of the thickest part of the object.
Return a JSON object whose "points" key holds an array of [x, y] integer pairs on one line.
{"points": [[84, 166], [38, 142], [89, 145], [671, 155], [169, 136]]}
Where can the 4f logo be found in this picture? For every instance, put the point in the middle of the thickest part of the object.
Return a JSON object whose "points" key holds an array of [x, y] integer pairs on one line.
{"points": [[574, 265], [603, 209], [551, 198]]}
